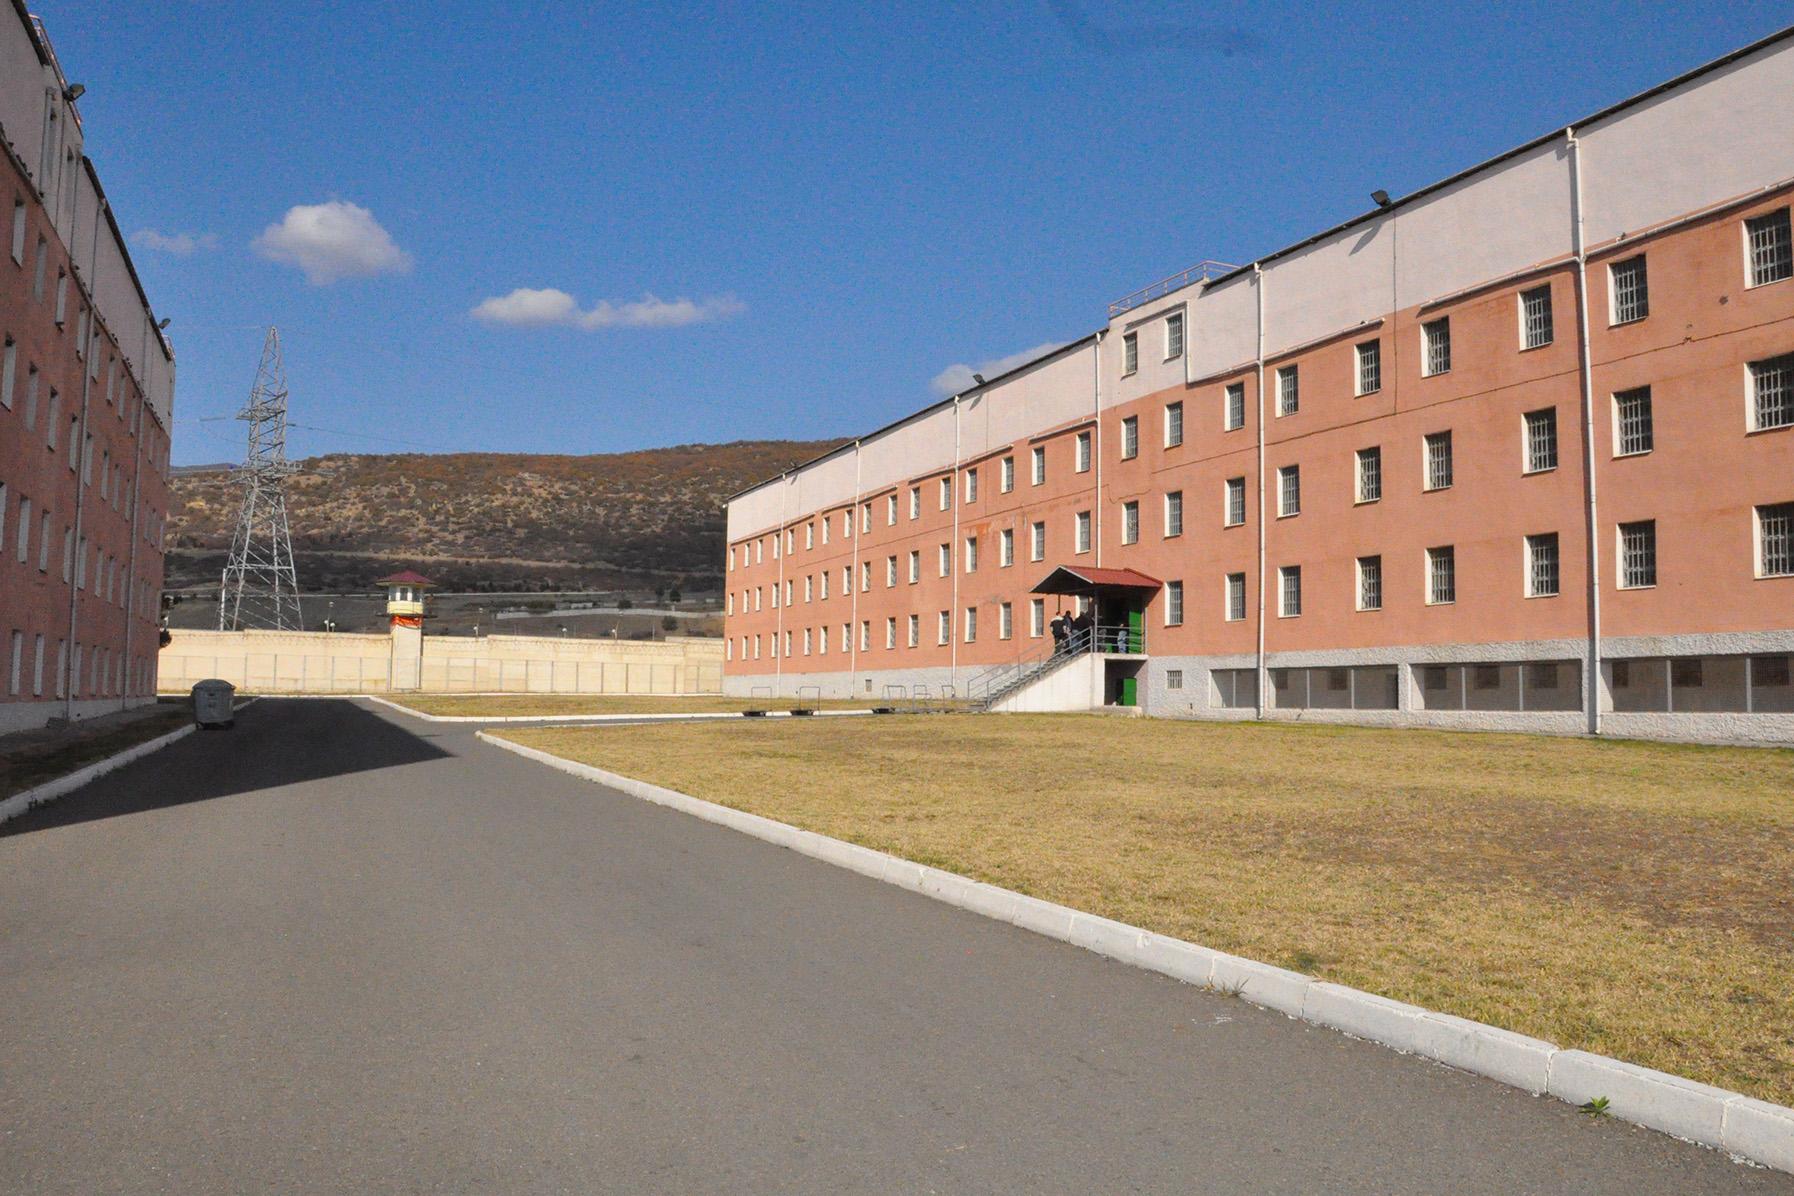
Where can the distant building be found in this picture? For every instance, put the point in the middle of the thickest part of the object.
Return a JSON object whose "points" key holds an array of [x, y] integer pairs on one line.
{"points": [[86, 395], [1516, 450]]}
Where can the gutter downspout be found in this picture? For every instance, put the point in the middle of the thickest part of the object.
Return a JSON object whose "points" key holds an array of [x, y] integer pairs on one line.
{"points": [[853, 588], [1258, 287], [1591, 672], [1096, 455], [124, 696], [778, 593], [954, 561], [81, 467]]}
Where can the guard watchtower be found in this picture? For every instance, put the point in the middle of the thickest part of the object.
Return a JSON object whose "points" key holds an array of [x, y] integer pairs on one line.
{"points": [[405, 610]]}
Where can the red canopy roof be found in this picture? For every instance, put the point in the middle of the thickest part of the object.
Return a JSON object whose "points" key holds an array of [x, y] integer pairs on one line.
{"points": [[1068, 580], [405, 577]]}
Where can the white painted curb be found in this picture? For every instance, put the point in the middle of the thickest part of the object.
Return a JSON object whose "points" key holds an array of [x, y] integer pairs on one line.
{"points": [[702, 717], [18, 803], [1749, 1129]]}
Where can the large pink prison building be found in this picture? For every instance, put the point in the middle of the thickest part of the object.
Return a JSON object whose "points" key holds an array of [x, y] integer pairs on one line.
{"points": [[86, 397], [1514, 451]]}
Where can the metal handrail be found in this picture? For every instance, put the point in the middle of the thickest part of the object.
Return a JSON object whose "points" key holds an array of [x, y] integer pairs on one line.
{"points": [[1105, 639], [1165, 286]]}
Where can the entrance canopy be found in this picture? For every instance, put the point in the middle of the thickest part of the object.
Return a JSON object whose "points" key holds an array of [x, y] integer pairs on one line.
{"points": [[1067, 580]]}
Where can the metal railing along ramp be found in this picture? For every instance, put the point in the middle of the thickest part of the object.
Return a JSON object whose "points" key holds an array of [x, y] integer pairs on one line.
{"points": [[999, 681]]}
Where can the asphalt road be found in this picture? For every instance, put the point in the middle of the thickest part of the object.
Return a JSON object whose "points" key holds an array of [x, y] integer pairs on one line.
{"points": [[340, 950]]}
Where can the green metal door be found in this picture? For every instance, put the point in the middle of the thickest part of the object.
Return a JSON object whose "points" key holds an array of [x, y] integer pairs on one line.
{"points": [[1130, 692], [1136, 631]]}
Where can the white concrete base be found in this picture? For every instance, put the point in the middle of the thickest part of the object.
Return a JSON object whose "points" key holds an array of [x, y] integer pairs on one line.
{"points": [[33, 714], [1077, 684], [1749, 1129], [705, 717]]}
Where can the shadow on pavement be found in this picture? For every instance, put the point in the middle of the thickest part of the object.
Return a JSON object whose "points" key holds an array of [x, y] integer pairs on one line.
{"points": [[275, 742]]}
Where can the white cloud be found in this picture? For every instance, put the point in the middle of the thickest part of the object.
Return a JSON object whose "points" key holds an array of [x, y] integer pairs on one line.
{"points": [[332, 240], [527, 307], [179, 244], [957, 378]]}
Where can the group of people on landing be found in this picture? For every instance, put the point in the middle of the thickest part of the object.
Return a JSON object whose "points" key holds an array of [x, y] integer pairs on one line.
{"points": [[1074, 633], [1067, 627]]}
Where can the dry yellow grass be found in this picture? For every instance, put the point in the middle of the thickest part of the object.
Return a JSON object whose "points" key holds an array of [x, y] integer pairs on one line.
{"points": [[539, 705], [1627, 898]]}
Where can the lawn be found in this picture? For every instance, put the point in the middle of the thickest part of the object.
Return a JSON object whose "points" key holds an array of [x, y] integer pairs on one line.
{"points": [[1628, 898], [29, 759], [540, 705]]}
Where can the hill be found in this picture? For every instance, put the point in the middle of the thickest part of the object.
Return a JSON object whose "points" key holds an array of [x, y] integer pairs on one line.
{"points": [[492, 520]]}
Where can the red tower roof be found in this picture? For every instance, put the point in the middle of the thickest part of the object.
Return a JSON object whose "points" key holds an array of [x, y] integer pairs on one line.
{"points": [[405, 577]]}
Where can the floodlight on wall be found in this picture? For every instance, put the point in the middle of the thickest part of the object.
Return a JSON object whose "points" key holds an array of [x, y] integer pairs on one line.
{"points": [[75, 91], [162, 325], [978, 378], [1380, 197]]}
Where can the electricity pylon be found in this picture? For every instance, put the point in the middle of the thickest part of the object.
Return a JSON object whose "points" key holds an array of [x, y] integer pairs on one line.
{"points": [[261, 589]]}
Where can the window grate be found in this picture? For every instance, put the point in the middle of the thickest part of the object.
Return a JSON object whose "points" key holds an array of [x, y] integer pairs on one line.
{"points": [[1130, 522], [1174, 603], [1772, 392], [1771, 248], [1541, 440], [1289, 397], [1631, 291], [1130, 438], [1535, 318], [1441, 576], [1289, 491], [1541, 566], [1632, 411], [1174, 424], [1236, 597], [1638, 554], [1775, 534], [1370, 583], [1174, 335], [1435, 338], [1234, 417], [1438, 461], [1130, 353], [1370, 474], [1236, 501], [1370, 367], [1174, 513], [1289, 579]]}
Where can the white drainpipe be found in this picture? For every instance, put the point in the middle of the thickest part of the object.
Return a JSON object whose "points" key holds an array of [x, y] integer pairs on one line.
{"points": [[1258, 286], [1591, 672], [954, 561]]}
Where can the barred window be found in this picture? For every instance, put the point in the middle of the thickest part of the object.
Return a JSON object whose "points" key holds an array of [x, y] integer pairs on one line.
{"points": [[1083, 452], [1130, 353], [1174, 603], [1289, 397], [1441, 576], [1174, 335], [1130, 522], [1130, 438], [1370, 583], [1236, 597], [1438, 461], [1541, 440], [971, 485], [1039, 464], [1541, 566], [1370, 474], [1006, 475], [915, 631], [1631, 293], [1435, 340], [1638, 554], [1174, 678], [1289, 491], [1771, 245], [1037, 541], [1006, 547], [1370, 367], [1234, 413], [1535, 318], [1775, 540], [1772, 392], [1174, 424], [944, 630], [1005, 621], [1234, 505], [1632, 421], [1289, 590], [1174, 514], [1083, 531]]}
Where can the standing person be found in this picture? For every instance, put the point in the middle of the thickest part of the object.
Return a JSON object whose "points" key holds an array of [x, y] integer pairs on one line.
{"points": [[1060, 632]]}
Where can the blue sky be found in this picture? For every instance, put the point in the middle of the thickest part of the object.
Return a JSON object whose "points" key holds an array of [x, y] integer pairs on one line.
{"points": [[848, 199]]}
